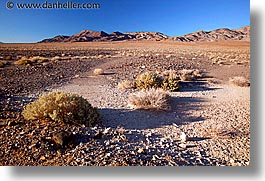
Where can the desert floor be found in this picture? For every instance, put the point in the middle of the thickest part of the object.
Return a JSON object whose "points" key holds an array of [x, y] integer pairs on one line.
{"points": [[213, 113]]}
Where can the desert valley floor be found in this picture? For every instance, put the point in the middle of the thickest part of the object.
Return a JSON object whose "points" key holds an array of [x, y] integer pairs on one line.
{"points": [[213, 113]]}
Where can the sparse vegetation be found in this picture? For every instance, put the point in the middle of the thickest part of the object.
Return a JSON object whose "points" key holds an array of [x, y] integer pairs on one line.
{"points": [[148, 80], [38, 59], [23, 61], [239, 81], [214, 81], [56, 58], [171, 74], [62, 107], [190, 74], [98, 71], [152, 99], [126, 84], [170, 84]]}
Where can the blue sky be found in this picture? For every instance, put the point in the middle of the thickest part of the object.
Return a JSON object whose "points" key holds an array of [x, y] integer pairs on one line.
{"points": [[171, 17]]}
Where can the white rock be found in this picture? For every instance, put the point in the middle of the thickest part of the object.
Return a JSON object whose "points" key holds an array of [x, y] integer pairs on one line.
{"points": [[183, 137]]}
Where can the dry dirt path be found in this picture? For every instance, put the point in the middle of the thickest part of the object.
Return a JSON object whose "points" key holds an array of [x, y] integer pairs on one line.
{"points": [[216, 117]]}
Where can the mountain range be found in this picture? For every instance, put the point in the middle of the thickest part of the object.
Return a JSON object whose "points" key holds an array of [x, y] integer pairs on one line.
{"points": [[220, 34]]}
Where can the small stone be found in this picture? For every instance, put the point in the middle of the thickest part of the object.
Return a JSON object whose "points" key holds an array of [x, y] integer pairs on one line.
{"points": [[62, 138], [42, 158], [98, 135], [183, 137], [106, 130], [11, 123], [2, 123], [232, 161], [140, 150], [182, 145]]}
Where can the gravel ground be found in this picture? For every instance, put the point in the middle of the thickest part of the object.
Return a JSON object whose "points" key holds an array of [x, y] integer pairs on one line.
{"points": [[214, 117]]}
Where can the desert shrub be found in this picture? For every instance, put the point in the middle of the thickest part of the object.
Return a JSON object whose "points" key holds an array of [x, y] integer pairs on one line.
{"points": [[62, 107], [170, 84], [148, 80], [214, 81], [198, 73], [38, 59], [98, 71], [186, 75], [239, 81], [23, 61], [190, 74], [171, 74], [126, 84], [56, 58], [152, 99]]}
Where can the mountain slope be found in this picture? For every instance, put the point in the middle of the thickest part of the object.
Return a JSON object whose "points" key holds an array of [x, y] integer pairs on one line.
{"points": [[199, 36], [215, 35]]}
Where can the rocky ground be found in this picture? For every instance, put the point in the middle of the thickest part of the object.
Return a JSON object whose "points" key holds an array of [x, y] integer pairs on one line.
{"points": [[214, 115]]}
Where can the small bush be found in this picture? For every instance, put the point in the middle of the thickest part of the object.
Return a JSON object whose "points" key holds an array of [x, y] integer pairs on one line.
{"points": [[126, 84], [190, 74], [62, 107], [171, 74], [152, 99], [148, 80], [56, 58], [98, 72], [239, 81], [198, 73], [186, 75], [38, 59], [23, 61], [170, 84], [214, 81]]}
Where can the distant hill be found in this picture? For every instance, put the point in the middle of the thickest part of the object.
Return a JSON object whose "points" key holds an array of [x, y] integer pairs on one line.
{"points": [[199, 36], [89, 35], [215, 35]]}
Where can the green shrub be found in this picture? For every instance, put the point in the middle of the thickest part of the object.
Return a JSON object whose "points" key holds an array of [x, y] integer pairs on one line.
{"points": [[170, 84], [62, 107], [148, 80]]}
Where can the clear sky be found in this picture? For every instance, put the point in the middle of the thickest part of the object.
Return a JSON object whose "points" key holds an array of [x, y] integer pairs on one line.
{"points": [[171, 17]]}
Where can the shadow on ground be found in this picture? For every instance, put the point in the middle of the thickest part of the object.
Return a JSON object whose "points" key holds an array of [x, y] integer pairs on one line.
{"points": [[193, 86], [11, 106], [181, 112]]}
